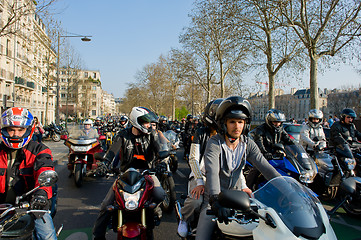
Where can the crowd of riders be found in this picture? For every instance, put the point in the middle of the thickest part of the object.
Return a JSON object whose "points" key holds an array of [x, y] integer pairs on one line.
{"points": [[216, 146]]}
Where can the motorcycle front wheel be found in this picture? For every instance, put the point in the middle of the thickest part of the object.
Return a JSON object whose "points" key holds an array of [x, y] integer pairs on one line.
{"points": [[78, 175], [173, 163], [169, 188], [353, 207], [55, 137]]}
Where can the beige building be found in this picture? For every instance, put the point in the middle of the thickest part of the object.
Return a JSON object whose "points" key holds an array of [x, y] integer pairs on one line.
{"points": [[26, 61], [81, 94], [109, 105]]}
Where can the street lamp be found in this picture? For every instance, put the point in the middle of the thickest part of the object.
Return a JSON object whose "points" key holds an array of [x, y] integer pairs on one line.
{"points": [[57, 110]]}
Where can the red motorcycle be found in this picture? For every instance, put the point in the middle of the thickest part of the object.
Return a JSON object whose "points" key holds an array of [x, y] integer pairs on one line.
{"points": [[81, 161], [133, 211]]}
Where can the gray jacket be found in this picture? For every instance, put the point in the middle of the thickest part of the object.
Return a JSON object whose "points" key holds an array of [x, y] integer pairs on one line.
{"points": [[219, 178], [308, 134]]}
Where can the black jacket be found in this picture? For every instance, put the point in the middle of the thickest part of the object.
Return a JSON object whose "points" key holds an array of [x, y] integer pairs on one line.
{"points": [[265, 137], [127, 148], [341, 133]]}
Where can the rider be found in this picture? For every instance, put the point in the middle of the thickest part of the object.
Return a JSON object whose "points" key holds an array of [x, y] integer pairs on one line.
{"points": [[312, 135], [163, 124], [88, 130], [135, 148], [123, 122], [22, 160], [197, 176], [344, 131], [266, 135], [188, 132], [225, 157]]}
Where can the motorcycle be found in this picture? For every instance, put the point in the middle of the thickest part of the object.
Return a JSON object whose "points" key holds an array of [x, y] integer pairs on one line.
{"points": [[133, 212], [165, 176], [16, 221], [289, 160], [52, 131], [282, 209], [81, 160], [174, 142]]}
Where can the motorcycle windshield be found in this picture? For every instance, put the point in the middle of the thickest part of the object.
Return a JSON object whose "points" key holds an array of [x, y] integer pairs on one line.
{"points": [[301, 160], [294, 204], [78, 134], [172, 137]]}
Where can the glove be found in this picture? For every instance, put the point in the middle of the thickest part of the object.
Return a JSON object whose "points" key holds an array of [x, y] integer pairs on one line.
{"points": [[318, 147], [268, 156], [39, 201], [160, 168], [221, 212]]}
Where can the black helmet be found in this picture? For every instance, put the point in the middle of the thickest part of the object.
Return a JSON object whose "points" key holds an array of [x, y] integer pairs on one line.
{"points": [[209, 114], [234, 107], [274, 115], [163, 118], [189, 117], [315, 113], [347, 112]]}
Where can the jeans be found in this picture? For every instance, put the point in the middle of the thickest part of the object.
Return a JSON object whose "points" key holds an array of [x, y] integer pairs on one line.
{"points": [[45, 231]]}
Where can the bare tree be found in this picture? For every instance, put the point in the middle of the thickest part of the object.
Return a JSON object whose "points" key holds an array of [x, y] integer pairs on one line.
{"points": [[326, 28]]}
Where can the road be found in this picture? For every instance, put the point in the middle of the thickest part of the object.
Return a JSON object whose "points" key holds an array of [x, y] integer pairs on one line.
{"points": [[79, 207]]}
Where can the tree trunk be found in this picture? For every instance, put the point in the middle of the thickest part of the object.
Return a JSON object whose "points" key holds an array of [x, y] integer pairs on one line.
{"points": [[271, 90], [313, 83]]}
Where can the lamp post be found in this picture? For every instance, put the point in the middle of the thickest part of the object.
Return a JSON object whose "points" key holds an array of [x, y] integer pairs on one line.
{"points": [[57, 110]]}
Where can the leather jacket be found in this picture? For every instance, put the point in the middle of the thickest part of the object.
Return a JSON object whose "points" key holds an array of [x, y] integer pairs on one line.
{"points": [[129, 150], [341, 133], [265, 137]]}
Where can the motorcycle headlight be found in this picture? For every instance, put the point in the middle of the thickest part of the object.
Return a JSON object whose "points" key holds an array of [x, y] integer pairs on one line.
{"points": [[81, 148], [131, 200], [306, 178], [350, 163]]}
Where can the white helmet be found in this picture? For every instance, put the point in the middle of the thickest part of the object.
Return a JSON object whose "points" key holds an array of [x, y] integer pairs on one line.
{"points": [[140, 115], [88, 121]]}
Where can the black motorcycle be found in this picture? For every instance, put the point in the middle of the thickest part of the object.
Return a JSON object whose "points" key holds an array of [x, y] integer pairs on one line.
{"points": [[52, 131]]}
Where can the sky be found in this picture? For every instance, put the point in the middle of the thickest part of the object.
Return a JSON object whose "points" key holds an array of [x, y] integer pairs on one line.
{"points": [[129, 34]]}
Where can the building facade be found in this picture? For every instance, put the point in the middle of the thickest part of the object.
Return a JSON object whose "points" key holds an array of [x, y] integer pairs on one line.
{"points": [[26, 63]]}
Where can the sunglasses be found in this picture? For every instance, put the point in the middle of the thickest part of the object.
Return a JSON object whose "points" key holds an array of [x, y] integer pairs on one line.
{"points": [[349, 117]]}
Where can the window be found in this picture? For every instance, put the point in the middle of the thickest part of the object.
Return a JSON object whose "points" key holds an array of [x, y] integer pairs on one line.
{"points": [[94, 87], [94, 96], [63, 95], [94, 112], [63, 72], [95, 75], [85, 74], [94, 103]]}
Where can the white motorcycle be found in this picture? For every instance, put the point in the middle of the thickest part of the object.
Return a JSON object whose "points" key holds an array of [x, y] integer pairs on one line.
{"points": [[281, 209]]}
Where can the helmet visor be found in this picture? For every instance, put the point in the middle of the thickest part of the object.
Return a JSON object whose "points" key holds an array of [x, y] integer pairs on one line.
{"points": [[147, 118]]}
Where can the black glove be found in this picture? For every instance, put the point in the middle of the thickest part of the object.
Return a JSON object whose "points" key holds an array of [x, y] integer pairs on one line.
{"points": [[40, 201], [160, 168], [318, 147], [268, 156], [221, 212]]}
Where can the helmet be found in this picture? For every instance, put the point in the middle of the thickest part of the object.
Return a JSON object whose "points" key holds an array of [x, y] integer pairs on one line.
{"points": [[123, 119], [140, 115], [209, 114], [98, 119], [163, 118], [234, 107], [195, 118], [88, 121], [17, 117], [315, 113], [274, 115], [189, 117], [347, 112]]}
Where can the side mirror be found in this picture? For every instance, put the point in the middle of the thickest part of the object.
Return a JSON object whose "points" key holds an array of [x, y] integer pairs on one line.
{"points": [[235, 199], [99, 156], [47, 178]]}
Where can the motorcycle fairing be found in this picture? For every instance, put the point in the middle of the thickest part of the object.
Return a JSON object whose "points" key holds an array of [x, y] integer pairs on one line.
{"points": [[295, 205]]}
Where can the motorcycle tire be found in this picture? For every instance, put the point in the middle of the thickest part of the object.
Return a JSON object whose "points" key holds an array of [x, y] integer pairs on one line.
{"points": [[55, 137], [173, 163], [169, 188], [353, 207], [78, 175]]}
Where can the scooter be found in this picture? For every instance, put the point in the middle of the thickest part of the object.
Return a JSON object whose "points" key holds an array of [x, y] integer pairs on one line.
{"points": [[81, 160], [16, 221], [282, 209], [133, 212]]}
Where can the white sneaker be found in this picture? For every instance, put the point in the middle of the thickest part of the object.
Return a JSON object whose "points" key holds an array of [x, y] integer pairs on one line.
{"points": [[182, 229]]}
